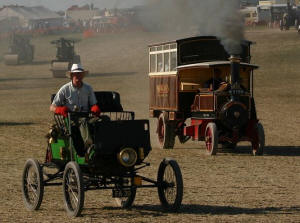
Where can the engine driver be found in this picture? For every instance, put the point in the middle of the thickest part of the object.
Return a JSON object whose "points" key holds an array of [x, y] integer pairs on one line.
{"points": [[77, 96], [216, 82]]}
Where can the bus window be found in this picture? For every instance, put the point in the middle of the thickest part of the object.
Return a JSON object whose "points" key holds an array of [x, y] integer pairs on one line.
{"points": [[152, 63], [173, 61], [166, 62], [173, 46], [166, 47], [152, 49], [160, 67]]}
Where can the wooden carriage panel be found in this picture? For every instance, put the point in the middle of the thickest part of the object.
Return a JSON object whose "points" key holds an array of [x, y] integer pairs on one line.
{"points": [[207, 102], [191, 78], [163, 92], [203, 103]]}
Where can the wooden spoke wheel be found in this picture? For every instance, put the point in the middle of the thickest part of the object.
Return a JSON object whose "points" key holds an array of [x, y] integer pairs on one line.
{"points": [[73, 189], [211, 138], [165, 132], [32, 185], [258, 147], [170, 185], [126, 202]]}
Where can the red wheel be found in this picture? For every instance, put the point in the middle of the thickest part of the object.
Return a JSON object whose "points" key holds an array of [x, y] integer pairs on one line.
{"points": [[211, 138], [165, 132], [161, 130]]}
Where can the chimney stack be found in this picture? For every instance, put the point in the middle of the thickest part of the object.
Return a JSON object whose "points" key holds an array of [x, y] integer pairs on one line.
{"points": [[235, 76]]}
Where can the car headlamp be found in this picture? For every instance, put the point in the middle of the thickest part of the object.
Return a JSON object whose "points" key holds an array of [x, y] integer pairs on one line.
{"points": [[127, 157]]}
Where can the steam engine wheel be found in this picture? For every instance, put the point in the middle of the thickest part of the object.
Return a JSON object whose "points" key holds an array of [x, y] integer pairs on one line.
{"points": [[211, 138], [165, 132]]}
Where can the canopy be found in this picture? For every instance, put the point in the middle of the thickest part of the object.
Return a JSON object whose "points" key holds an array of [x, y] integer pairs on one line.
{"points": [[214, 64]]}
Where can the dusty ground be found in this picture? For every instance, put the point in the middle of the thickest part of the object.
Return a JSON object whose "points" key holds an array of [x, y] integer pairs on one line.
{"points": [[224, 188]]}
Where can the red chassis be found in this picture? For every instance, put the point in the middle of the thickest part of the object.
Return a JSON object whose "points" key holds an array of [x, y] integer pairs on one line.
{"points": [[202, 130]]}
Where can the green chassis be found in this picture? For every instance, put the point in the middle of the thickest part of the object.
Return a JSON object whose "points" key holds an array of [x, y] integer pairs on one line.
{"points": [[62, 151]]}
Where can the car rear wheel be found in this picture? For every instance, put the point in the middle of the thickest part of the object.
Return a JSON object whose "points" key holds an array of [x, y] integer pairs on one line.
{"points": [[126, 202], [211, 138], [165, 132], [32, 185], [170, 185], [258, 147], [73, 189]]}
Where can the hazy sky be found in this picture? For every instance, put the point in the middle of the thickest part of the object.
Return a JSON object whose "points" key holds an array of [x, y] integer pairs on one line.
{"points": [[64, 4]]}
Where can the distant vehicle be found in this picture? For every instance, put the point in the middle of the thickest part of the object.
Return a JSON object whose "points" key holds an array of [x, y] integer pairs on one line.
{"points": [[179, 74], [20, 50], [121, 145], [285, 22], [65, 57], [250, 16], [290, 18]]}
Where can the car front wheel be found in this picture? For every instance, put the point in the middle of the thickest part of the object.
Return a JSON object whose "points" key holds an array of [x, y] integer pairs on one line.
{"points": [[258, 147], [73, 190], [170, 185]]}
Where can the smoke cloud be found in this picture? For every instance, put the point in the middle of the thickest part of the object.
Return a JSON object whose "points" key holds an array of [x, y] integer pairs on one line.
{"points": [[64, 4], [206, 17]]}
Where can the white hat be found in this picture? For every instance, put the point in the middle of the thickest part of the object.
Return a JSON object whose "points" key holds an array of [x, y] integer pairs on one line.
{"points": [[76, 68]]}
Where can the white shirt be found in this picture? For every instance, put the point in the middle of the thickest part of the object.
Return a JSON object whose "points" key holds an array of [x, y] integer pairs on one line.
{"points": [[76, 99]]}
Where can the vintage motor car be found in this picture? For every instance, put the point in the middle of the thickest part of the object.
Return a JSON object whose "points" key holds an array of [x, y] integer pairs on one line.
{"points": [[120, 147], [199, 92]]}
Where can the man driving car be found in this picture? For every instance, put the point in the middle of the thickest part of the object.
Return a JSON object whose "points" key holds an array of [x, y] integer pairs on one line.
{"points": [[76, 96]]}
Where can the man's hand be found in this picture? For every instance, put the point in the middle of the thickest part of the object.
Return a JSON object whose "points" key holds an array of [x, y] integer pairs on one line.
{"points": [[62, 110], [95, 110]]}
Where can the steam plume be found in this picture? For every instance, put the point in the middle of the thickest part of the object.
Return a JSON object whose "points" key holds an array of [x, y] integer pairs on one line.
{"points": [[199, 17]]}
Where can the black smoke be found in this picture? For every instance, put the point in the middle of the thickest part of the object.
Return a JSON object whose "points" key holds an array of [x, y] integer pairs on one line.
{"points": [[219, 18]]}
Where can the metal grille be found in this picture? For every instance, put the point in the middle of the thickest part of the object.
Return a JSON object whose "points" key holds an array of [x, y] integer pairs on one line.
{"points": [[60, 123], [114, 116]]}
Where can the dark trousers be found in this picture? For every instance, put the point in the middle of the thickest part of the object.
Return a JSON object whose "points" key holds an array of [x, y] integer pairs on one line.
{"points": [[81, 134]]}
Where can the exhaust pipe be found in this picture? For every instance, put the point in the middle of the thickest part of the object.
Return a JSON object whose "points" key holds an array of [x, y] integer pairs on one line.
{"points": [[235, 69], [235, 61]]}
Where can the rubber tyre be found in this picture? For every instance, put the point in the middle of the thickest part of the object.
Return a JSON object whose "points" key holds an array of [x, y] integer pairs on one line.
{"points": [[211, 139], [11, 59], [261, 141], [165, 132], [164, 179], [73, 182], [36, 185], [128, 201], [59, 69]]}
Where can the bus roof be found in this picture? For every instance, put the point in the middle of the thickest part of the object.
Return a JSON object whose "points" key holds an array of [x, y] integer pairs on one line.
{"points": [[213, 64], [194, 38]]}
